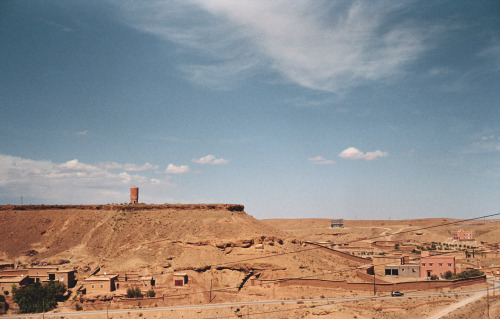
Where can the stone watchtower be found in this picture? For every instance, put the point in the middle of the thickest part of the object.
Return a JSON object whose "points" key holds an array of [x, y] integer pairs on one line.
{"points": [[134, 195]]}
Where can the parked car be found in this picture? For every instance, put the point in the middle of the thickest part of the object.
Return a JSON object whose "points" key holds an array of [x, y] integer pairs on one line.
{"points": [[397, 294]]}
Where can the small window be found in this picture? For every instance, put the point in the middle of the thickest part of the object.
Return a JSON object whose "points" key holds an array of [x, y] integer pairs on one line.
{"points": [[449, 265], [423, 265], [430, 264], [92, 286], [102, 286], [413, 270], [440, 265]]}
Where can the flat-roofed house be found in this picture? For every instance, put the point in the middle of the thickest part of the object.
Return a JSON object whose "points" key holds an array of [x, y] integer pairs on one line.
{"points": [[405, 270], [7, 282], [461, 235], [40, 274], [100, 283], [67, 277], [337, 223], [436, 265], [180, 279]]}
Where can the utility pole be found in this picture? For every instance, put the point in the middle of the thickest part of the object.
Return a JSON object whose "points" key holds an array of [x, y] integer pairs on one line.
{"points": [[488, 297], [374, 285], [211, 277]]}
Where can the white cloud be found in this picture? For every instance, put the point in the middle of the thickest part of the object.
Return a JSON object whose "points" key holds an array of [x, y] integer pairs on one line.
{"points": [[322, 45], [210, 159], [127, 167], [320, 160], [82, 132], [354, 153], [351, 153], [174, 169], [70, 182]]}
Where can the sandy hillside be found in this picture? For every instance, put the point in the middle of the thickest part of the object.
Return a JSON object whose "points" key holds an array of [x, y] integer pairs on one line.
{"points": [[418, 230], [151, 239]]}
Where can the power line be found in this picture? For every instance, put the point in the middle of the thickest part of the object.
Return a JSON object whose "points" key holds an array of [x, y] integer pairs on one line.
{"points": [[347, 242], [310, 249]]}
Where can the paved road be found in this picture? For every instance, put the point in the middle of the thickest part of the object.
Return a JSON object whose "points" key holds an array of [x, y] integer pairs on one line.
{"points": [[481, 292]]}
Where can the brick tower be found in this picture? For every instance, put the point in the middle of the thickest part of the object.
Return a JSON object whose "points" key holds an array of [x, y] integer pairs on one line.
{"points": [[134, 195]]}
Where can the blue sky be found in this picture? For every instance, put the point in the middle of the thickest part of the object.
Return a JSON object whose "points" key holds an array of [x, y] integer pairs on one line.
{"points": [[334, 109]]}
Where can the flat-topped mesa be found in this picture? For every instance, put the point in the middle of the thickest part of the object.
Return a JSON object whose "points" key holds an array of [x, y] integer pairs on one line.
{"points": [[128, 207]]}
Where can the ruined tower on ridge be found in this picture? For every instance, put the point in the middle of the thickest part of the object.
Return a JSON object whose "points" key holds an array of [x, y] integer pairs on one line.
{"points": [[134, 195]]}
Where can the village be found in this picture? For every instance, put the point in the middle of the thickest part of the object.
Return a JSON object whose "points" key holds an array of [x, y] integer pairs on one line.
{"points": [[328, 258]]}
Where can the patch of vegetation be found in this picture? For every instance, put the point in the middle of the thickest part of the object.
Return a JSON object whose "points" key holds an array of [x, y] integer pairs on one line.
{"points": [[134, 292], [463, 275], [150, 293], [37, 297], [4, 306]]}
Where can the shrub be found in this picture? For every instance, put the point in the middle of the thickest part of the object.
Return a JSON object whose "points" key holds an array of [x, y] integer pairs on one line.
{"points": [[78, 307], [3, 305], [150, 293], [134, 292], [448, 274], [434, 277]]}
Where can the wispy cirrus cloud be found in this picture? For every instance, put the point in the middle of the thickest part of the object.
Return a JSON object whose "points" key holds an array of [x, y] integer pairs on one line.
{"points": [[353, 153], [179, 170], [84, 132], [320, 160], [210, 159], [321, 45], [492, 52]]}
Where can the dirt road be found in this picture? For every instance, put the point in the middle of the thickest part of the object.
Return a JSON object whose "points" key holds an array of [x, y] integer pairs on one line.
{"points": [[474, 297]]}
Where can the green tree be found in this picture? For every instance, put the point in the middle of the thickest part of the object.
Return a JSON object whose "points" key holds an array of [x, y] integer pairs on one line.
{"points": [[38, 298]]}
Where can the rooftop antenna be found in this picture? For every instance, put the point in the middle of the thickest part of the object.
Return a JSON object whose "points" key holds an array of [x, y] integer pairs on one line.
{"points": [[21, 200]]}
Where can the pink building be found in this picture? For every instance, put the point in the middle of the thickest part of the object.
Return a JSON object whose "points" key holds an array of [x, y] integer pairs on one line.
{"points": [[436, 265], [461, 235]]}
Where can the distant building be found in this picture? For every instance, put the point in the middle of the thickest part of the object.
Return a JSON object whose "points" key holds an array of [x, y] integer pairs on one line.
{"points": [[337, 223], [436, 265], [134, 280], [7, 282], [461, 235], [41, 274], [180, 279], [407, 270], [100, 283], [67, 277]]}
